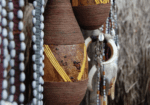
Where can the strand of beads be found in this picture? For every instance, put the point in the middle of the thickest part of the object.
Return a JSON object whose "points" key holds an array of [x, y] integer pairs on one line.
{"points": [[5, 52], [99, 46], [104, 86], [38, 57], [12, 51], [107, 31], [98, 86], [22, 51], [98, 73], [107, 26]]}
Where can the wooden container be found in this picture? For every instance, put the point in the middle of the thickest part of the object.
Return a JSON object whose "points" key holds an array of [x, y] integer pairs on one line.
{"points": [[90, 14], [64, 38]]}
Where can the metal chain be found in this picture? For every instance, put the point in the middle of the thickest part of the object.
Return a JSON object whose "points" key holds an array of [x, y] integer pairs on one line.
{"points": [[38, 48]]}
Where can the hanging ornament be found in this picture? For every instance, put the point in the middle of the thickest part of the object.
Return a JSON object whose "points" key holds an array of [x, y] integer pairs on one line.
{"points": [[91, 14], [66, 64]]}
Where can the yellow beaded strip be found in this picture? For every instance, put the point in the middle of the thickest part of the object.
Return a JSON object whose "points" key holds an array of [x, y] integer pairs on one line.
{"points": [[102, 1], [55, 63], [57, 66]]}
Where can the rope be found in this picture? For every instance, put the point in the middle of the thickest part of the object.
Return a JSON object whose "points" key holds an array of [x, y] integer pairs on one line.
{"points": [[57, 66]]}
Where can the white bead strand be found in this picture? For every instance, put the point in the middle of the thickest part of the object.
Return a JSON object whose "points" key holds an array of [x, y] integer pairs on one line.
{"points": [[38, 57], [22, 51], [5, 53], [12, 50]]}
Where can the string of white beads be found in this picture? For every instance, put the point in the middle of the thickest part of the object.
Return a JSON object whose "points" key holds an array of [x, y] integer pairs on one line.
{"points": [[12, 51], [5, 51], [107, 26], [21, 55], [38, 56]]}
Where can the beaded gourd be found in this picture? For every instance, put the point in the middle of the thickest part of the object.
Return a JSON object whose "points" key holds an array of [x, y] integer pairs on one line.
{"points": [[64, 43], [91, 14]]}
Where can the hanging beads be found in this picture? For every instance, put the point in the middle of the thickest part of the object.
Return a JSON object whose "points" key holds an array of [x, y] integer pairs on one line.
{"points": [[38, 56], [98, 55], [104, 82], [12, 51], [107, 26], [102, 66], [5, 51], [22, 51]]}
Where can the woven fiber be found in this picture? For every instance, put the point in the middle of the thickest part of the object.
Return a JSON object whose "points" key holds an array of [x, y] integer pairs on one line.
{"points": [[93, 16], [61, 27], [64, 93]]}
